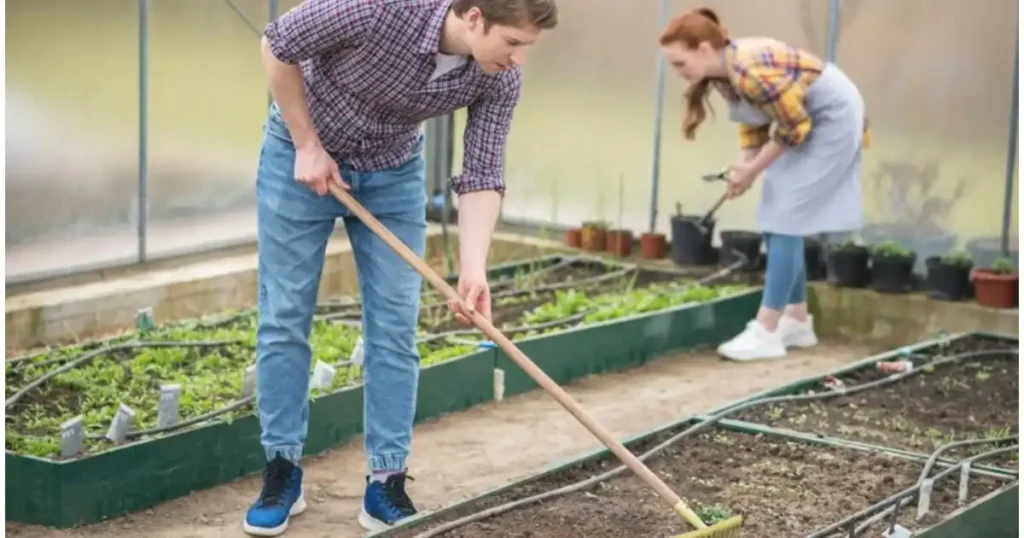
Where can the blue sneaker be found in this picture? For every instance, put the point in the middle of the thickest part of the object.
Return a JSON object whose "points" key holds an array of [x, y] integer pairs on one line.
{"points": [[280, 499], [385, 503]]}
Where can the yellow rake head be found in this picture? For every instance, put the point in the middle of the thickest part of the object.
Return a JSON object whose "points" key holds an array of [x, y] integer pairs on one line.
{"points": [[727, 528]]}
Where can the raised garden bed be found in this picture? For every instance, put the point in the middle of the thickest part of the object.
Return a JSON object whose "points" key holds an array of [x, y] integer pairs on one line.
{"points": [[975, 398], [782, 486], [213, 437]]}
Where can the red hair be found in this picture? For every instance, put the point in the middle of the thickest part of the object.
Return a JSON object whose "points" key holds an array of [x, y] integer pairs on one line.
{"points": [[690, 29]]}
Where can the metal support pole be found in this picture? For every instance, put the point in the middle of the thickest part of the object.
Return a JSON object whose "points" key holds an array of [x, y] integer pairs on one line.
{"points": [[832, 39], [143, 200], [1011, 154], [659, 106]]}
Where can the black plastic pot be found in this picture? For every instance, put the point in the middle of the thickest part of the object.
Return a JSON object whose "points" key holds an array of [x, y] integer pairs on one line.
{"points": [[892, 274], [814, 260], [690, 245], [948, 281], [848, 266], [746, 243], [924, 242]]}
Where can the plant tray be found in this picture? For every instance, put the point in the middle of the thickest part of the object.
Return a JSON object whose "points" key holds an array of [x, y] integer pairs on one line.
{"points": [[209, 358], [783, 486]]}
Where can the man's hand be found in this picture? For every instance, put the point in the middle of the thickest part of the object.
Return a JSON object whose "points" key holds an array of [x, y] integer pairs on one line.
{"points": [[474, 288], [314, 167]]}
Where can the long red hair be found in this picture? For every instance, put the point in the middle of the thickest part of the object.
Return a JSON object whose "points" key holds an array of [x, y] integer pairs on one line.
{"points": [[690, 29]]}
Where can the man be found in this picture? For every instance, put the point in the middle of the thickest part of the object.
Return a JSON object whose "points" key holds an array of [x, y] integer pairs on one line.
{"points": [[352, 81]]}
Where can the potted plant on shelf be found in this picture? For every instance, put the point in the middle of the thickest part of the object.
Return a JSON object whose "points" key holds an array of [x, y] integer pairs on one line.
{"points": [[748, 244], [652, 245], [619, 242], [986, 250], [949, 276], [847, 264], [574, 237], [593, 235], [916, 209], [996, 286], [892, 268], [691, 242], [814, 261]]}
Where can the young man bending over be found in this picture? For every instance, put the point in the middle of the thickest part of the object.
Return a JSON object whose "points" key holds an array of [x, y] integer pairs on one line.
{"points": [[352, 81]]}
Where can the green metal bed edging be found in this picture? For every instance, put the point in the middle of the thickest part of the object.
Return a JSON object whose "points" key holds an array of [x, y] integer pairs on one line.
{"points": [[628, 342], [63, 494], [427, 517], [995, 515]]}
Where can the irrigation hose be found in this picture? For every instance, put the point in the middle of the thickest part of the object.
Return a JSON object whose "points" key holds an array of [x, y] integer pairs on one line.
{"points": [[906, 493], [932, 460], [701, 426]]}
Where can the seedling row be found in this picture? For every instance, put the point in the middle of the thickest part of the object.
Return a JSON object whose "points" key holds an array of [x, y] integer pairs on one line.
{"points": [[79, 400]]}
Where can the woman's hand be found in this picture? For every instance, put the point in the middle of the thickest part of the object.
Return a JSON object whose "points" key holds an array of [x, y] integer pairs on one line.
{"points": [[741, 177]]}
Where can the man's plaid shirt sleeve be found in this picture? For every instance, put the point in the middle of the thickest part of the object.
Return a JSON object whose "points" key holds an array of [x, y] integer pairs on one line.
{"points": [[487, 127]]}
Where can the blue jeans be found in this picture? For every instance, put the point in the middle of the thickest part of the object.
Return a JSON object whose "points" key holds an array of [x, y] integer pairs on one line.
{"points": [[294, 224], [785, 280]]}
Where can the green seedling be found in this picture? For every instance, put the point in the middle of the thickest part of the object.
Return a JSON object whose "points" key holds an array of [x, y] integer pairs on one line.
{"points": [[1002, 266], [890, 249]]}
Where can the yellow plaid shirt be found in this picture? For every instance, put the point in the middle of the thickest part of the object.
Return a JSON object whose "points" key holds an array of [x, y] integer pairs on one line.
{"points": [[775, 77]]}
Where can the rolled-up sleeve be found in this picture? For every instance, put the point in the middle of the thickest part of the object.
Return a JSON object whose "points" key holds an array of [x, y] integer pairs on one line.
{"points": [[317, 26], [487, 126], [775, 90]]}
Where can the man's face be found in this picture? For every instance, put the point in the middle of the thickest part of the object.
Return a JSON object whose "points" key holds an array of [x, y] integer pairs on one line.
{"points": [[500, 47]]}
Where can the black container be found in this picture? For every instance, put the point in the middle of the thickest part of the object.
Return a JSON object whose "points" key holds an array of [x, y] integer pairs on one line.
{"points": [[814, 260], [892, 274], [747, 243], [691, 245], [847, 266], [948, 280]]}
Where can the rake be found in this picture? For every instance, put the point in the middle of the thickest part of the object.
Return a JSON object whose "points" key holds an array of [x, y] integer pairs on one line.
{"points": [[728, 528]]}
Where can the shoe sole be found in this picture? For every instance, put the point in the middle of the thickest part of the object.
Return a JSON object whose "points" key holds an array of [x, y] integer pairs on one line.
{"points": [[298, 507], [370, 523], [751, 358], [801, 342]]}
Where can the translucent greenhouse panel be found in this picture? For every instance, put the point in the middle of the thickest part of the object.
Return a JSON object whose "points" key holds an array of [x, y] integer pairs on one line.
{"points": [[72, 135], [939, 108], [208, 102]]}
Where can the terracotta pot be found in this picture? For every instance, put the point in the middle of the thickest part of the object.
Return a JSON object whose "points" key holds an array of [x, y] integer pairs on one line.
{"points": [[619, 242], [994, 289], [652, 246], [593, 238], [574, 237]]}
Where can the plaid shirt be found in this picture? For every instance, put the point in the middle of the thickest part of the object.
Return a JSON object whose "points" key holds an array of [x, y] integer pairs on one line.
{"points": [[366, 66], [775, 77]]}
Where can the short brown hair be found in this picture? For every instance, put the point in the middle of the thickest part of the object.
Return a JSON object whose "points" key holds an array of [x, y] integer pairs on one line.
{"points": [[541, 14]]}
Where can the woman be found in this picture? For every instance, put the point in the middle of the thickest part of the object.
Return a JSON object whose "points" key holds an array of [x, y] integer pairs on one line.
{"points": [[811, 162]]}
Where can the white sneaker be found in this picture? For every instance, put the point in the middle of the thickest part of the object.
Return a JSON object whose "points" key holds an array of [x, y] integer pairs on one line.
{"points": [[754, 343], [797, 333]]}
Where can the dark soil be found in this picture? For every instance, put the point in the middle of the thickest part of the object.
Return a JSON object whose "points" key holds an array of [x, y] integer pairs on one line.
{"points": [[782, 489], [971, 399]]}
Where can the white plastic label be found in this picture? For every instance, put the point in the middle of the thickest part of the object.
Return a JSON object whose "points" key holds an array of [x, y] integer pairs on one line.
{"points": [[357, 352], [249, 382], [72, 436], [965, 477], [167, 411], [323, 376], [499, 384], [897, 532], [121, 424], [924, 500]]}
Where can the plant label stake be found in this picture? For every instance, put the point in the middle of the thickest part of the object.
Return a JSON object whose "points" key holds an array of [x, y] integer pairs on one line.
{"points": [[965, 476], [144, 320], [897, 531], [249, 382], [167, 413], [72, 436], [357, 352], [924, 499], [323, 375], [121, 424]]}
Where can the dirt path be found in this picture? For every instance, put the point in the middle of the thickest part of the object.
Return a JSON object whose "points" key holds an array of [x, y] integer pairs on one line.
{"points": [[464, 454]]}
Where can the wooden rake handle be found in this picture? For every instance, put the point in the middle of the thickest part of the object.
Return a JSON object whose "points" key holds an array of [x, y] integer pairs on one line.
{"points": [[516, 355]]}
